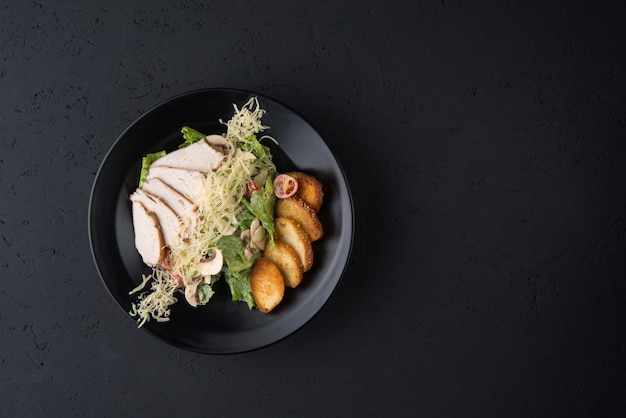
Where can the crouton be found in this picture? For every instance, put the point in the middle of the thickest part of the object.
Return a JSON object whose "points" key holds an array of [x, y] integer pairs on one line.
{"points": [[309, 189], [295, 208], [287, 261], [288, 231], [267, 284]]}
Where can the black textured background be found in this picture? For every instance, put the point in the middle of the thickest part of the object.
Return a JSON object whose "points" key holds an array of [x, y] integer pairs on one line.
{"points": [[484, 142]]}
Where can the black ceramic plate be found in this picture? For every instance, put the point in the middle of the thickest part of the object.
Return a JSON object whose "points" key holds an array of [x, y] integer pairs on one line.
{"points": [[222, 326]]}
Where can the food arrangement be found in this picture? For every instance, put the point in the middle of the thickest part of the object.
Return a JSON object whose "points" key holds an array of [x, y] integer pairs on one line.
{"points": [[217, 209]]}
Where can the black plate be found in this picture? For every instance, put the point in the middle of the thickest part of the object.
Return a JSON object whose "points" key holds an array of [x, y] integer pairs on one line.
{"points": [[222, 326]]}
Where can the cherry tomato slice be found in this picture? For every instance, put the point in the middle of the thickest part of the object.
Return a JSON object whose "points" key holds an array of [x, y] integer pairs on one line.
{"points": [[285, 186], [251, 187]]}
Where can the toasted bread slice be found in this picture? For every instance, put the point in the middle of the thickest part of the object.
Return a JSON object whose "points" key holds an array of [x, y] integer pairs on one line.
{"points": [[267, 284], [288, 231], [309, 189], [287, 261], [295, 208]]}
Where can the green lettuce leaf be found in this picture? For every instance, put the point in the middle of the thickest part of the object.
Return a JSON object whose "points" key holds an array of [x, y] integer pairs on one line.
{"points": [[190, 135], [205, 291], [245, 218], [237, 271], [145, 165], [262, 206], [239, 285], [253, 145]]}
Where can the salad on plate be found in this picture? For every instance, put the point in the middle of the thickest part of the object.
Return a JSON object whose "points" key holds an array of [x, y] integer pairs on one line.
{"points": [[216, 208]]}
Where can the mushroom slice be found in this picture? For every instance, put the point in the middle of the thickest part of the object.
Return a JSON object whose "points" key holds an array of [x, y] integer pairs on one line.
{"points": [[220, 143], [227, 229], [191, 292], [212, 264], [257, 235], [248, 253]]}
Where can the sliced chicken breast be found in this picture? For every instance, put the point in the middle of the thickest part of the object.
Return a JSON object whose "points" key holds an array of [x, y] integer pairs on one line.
{"points": [[187, 182], [199, 156], [170, 223], [184, 208], [148, 238]]}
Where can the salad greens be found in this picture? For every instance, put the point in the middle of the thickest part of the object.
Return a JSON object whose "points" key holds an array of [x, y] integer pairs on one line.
{"points": [[145, 165], [261, 205], [205, 291], [237, 268], [253, 145], [190, 135]]}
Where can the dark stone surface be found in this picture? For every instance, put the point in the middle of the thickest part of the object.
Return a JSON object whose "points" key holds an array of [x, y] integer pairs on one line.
{"points": [[485, 144]]}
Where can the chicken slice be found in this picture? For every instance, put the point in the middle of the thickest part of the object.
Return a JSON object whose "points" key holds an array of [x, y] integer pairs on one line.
{"points": [[199, 156], [148, 238], [184, 208], [170, 223], [187, 182]]}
